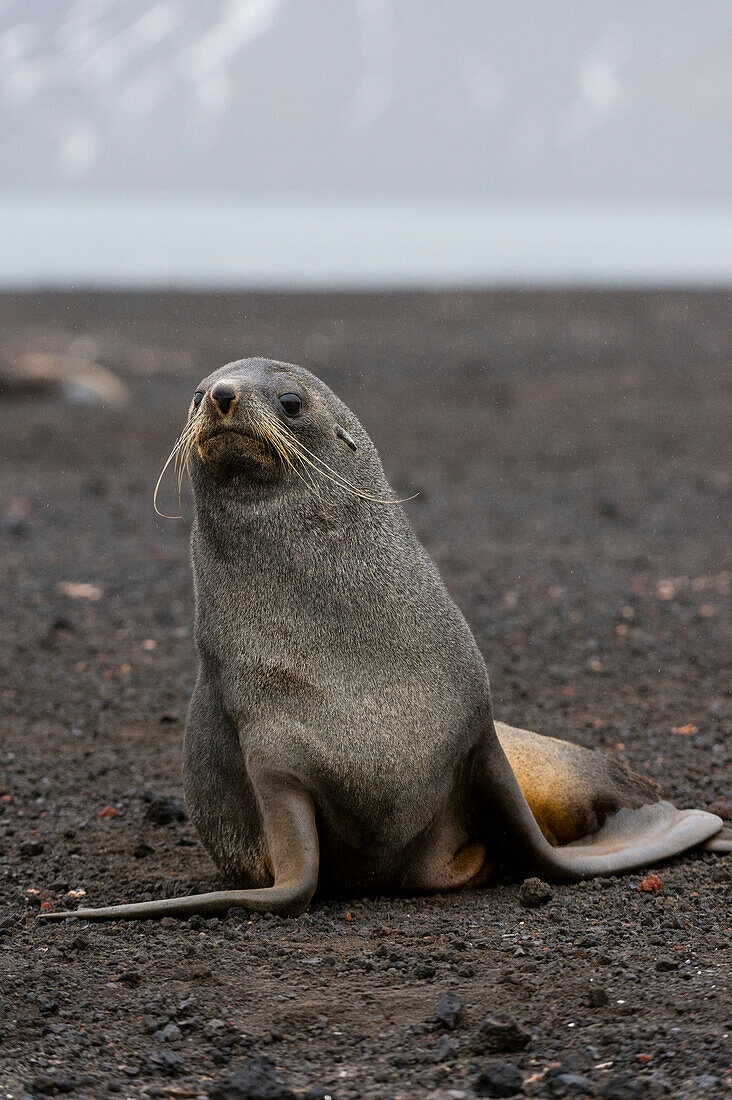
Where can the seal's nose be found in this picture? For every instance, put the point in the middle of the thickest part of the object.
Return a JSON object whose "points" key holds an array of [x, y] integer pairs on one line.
{"points": [[224, 395]]}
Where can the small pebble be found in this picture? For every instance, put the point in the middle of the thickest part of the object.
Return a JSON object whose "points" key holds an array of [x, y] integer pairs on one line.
{"points": [[572, 1084], [30, 848], [665, 965], [164, 810], [255, 1080], [534, 892], [168, 1034], [622, 1087], [499, 1079], [450, 1011], [497, 1035], [166, 1062]]}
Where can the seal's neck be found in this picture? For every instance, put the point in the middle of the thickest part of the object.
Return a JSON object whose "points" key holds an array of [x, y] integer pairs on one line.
{"points": [[236, 518]]}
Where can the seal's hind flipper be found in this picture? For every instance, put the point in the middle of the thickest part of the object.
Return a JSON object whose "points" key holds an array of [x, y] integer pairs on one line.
{"points": [[629, 837], [634, 838], [571, 790], [721, 842]]}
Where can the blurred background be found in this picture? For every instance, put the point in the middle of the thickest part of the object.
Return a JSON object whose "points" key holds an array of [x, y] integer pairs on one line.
{"points": [[362, 143]]}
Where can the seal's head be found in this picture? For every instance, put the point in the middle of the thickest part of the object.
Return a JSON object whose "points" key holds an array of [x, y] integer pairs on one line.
{"points": [[250, 416], [262, 423]]}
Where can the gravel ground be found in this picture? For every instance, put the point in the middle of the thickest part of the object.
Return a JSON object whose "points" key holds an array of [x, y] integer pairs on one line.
{"points": [[571, 454]]}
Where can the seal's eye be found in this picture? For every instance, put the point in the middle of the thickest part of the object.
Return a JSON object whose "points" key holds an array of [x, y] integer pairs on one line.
{"points": [[291, 403], [198, 398]]}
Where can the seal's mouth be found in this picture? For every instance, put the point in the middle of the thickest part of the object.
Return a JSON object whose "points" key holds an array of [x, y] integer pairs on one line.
{"points": [[205, 436], [248, 436]]}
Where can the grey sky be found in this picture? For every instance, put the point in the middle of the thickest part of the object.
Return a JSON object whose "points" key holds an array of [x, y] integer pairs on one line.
{"points": [[491, 99]]}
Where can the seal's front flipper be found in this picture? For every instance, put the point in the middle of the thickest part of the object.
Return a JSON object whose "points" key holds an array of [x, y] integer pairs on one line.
{"points": [[288, 821], [628, 839]]}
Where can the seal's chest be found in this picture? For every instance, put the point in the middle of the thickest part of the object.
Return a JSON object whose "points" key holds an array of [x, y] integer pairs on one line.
{"points": [[377, 780]]}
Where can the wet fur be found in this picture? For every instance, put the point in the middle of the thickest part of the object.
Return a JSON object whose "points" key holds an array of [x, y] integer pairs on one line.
{"points": [[341, 731], [337, 653]]}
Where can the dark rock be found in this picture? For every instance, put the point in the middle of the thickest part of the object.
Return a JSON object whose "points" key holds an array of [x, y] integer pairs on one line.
{"points": [[622, 1086], [255, 1080], [130, 978], [722, 809], [425, 972], [164, 810], [166, 1062], [443, 1050], [237, 913], [30, 848], [318, 1092], [570, 1084], [497, 1035], [665, 965], [141, 850], [597, 997], [702, 1085], [168, 1034], [52, 1084], [500, 1079], [534, 892], [450, 1011]]}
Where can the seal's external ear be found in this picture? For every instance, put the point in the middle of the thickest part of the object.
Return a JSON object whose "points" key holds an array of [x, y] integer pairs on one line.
{"points": [[343, 434]]}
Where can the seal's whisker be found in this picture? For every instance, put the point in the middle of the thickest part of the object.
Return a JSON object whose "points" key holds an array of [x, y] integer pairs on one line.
{"points": [[281, 445], [183, 459], [331, 474], [306, 480], [292, 446], [188, 434]]}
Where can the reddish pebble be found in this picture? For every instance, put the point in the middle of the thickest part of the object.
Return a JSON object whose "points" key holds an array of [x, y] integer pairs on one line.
{"points": [[644, 1058], [108, 811], [46, 905], [650, 885], [348, 916]]}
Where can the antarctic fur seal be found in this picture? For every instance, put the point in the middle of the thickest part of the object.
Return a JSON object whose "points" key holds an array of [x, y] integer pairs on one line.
{"points": [[341, 731]]}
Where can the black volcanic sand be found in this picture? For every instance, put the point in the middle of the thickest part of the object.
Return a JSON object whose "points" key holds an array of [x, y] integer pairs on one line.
{"points": [[571, 454]]}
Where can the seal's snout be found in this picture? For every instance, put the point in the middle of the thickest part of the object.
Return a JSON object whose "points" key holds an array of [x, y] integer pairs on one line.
{"points": [[224, 397]]}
